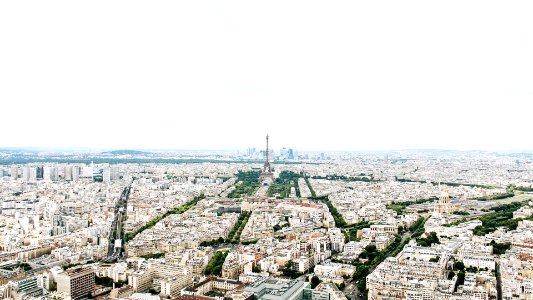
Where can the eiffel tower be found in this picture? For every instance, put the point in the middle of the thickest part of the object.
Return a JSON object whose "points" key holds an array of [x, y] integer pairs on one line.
{"points": [[267, 177]]}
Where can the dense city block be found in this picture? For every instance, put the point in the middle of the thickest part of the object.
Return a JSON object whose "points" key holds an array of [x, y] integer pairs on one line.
{"points": [[269, 225]]}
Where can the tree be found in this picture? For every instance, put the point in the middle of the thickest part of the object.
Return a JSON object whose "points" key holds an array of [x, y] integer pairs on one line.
{"points": [[289, 271], [460, 279], [435, 259], [371, 248], [450, 275], [215, 264], [25, 266], [315, 281], [105, 281], [289, 264], [500, 248], [53, 286], [458, 265], [370, 253], [430, 239], [120, 283], [361, 286], [360, 272]]}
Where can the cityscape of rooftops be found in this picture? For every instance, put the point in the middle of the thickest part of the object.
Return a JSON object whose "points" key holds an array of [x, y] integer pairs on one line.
{"points": [[280, 150]]}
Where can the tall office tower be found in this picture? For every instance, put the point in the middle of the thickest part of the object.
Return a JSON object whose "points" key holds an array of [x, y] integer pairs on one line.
{"points": [[39, 172], [284, 152], [29, 173], [33, 174], [290, 153], [55, 174], [76, 283], [14, 172], [68, 172], [75, 173], [87, 172], [47, 173], [115, 173], [26, 173], [106, 174], [250, 151]]}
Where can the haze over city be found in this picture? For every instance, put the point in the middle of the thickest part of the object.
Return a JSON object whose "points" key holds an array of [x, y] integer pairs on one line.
{"points": [[316, 76]]}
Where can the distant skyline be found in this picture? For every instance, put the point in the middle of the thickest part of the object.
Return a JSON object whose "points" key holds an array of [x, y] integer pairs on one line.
{"points": [[325, 76], [81, 150]]}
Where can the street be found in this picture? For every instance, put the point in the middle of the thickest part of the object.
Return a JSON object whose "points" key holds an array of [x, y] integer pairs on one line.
{"points": [[116, 226]]}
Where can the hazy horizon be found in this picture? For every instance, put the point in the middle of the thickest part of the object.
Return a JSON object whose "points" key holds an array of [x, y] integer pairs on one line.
{"points": [[156, 150], [352, 76]]}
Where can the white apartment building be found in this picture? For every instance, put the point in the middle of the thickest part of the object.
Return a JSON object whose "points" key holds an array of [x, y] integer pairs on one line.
{"points": [[479, 262], [77, 283], [141, 280], [171, 287]]}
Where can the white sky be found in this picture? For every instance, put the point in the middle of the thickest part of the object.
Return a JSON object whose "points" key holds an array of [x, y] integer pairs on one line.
{"points": [[316, 75]]}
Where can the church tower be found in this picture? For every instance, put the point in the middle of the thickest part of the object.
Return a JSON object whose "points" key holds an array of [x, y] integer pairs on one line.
{"points": [[443, 206]]}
